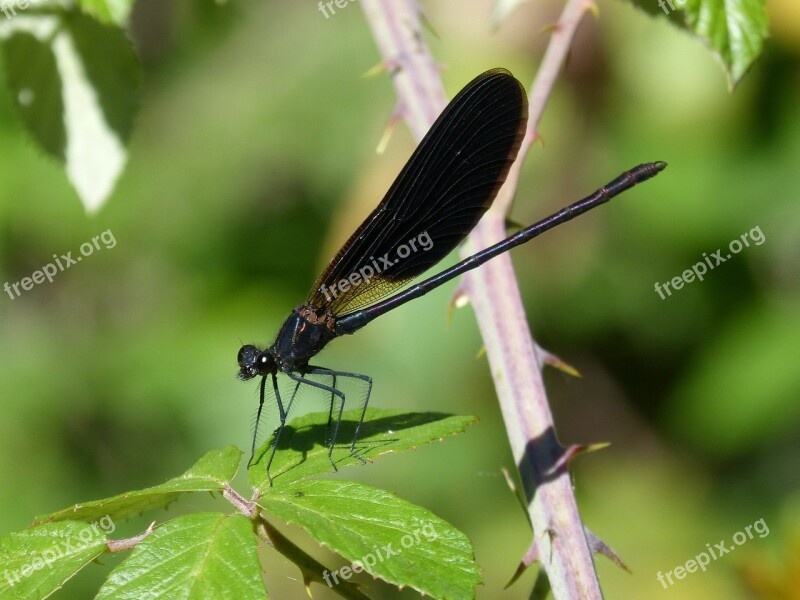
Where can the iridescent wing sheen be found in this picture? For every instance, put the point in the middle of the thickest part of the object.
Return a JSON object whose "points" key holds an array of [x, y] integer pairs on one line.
{"points": [[445, 187]]}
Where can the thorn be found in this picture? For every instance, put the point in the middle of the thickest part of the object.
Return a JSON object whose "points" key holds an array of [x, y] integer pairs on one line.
{"points": [[459, 299], [128, 544], [531, 137], [509, 480], [517, 494], [598, 546], [546, 357], [423, 18], [396, 117], [389, 65], [512, 224], [551, 28], [573, 452], [531, 556], [375, 71]]}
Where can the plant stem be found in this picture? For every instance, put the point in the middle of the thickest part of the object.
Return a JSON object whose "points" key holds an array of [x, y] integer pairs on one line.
{"points": [[515, 360], [129, 543], [244, 507]]}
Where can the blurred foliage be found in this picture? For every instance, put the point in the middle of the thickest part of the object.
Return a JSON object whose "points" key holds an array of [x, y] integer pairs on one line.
{"points": [[74, 82], [252, 159], [191, 555]]}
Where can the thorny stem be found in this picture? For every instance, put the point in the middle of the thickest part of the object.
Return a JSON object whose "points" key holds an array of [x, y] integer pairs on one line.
{"points": [[515, 360], [129, 543], [244, 507]]}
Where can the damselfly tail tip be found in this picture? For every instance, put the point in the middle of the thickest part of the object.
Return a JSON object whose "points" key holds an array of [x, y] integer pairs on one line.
{"points": [[660, 165]]}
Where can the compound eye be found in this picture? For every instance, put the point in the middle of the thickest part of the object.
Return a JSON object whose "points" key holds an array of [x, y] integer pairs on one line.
{"points": [[247, 356]]}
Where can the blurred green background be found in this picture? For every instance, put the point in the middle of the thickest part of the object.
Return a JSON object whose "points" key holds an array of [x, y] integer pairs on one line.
{"points": [[253, 158]]}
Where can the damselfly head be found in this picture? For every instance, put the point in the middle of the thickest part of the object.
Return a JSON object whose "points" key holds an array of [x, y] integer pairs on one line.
{"points": [[253, 362]]}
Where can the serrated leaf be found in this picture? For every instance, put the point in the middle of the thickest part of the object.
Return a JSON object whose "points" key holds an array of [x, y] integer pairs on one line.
{"points": [[302, 451], [734, 29], [209, 474], [114, 12], [38, 561], [78, 95], [198, 556], [311, 569], [395, 540]]}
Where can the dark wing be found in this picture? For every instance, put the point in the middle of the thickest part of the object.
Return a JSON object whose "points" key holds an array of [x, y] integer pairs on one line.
{"points": [[445, 187]]}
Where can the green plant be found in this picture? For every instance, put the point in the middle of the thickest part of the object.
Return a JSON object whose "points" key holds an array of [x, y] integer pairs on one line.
{"points": [[214, 554], [33, 44]]}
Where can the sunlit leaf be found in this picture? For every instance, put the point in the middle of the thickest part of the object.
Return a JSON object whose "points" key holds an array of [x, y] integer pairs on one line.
{"points": [[302, 451], [390, 538], [734, 29], [36, 562], [74, 82], [109, 11], [199, 556], [209, 474]]}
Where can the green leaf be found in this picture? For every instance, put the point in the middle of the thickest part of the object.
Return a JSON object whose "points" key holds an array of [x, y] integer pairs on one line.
{"points": [[36, 88], [310, 568], [114, 12], [204, 555], [209, 474], [395, 540], [302, 451], [74, 82], [36, 562], [734, 29]]}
